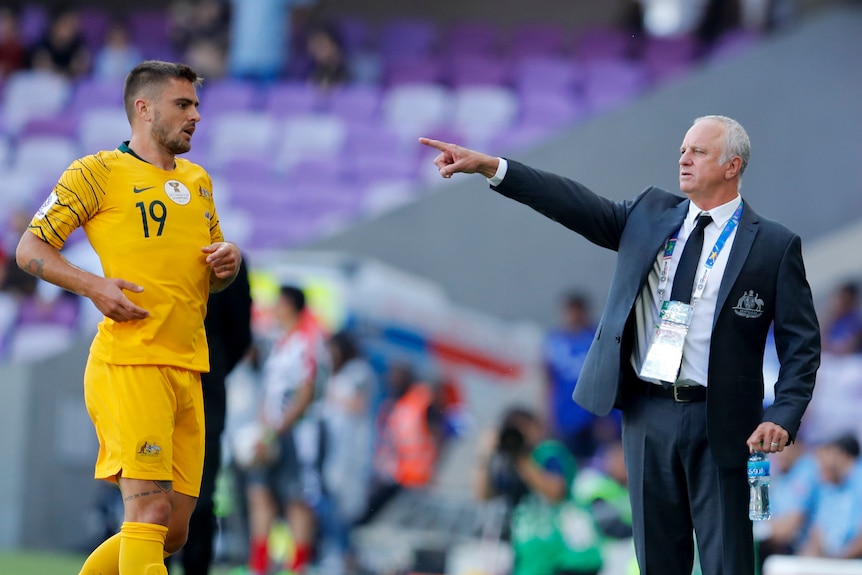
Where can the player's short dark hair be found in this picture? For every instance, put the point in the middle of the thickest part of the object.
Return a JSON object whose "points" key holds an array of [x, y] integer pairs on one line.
{"points": [[154, 72], [294, 295]]}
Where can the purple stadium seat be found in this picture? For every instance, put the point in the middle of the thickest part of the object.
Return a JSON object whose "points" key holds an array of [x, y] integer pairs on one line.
{"points": [[149, 29], [63, 125], [553, 73], [229, 96], [91, 93], [102, 128], [481, 112], [33, 23], [610, 82], [732, 42], [292, 98], [539, 40], [355, 103], [61, 311], [363, 166], [603, 44], [32, 94], [668, 57], [477, 38], [355, 34], [94, 25], [478, 70], [45, 154], [552, 109], [407, 38], [411, 110], [418, 70]]}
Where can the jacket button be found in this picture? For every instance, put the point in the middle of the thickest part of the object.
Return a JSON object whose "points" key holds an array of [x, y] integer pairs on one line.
{"points": [[618, 339]]}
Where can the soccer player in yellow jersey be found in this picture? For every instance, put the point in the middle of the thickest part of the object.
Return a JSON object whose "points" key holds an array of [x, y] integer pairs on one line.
{"points": [[151, 218]]}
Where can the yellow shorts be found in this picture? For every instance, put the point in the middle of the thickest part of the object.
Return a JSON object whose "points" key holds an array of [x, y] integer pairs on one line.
{"points": [[150, 422]]}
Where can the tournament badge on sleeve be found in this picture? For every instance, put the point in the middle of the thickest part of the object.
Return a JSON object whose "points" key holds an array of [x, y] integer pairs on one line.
{"points": [[664, 355]]}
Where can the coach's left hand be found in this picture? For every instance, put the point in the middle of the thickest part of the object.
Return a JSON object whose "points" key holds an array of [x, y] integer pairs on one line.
{"points": [[769, 437]]}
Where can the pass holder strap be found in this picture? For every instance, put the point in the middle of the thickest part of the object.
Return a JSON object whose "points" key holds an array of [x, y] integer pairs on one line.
{"points": [[664, 356]]}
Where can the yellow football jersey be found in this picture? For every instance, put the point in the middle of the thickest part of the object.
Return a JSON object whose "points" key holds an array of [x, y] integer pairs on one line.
{"points": [[148, 226]]}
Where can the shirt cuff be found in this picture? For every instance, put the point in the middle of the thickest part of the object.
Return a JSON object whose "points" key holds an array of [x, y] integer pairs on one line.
{"points": [[497, 179]]}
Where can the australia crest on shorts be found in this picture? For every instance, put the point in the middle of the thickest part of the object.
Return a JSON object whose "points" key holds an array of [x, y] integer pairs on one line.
{"points": [[749, 306]]}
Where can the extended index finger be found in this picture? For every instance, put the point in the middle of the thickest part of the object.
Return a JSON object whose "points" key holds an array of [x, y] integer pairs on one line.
{"points": [[436, 144]]}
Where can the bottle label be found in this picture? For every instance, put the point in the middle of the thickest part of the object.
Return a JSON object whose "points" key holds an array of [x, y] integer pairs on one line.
{"points": [[758, 468]]}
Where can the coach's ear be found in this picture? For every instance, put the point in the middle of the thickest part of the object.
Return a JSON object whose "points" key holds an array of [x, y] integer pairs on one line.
{"points": [[733, 167]]}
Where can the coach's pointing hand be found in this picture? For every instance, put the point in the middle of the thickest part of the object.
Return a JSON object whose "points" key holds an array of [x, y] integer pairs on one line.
{"points": [[454, 159]]}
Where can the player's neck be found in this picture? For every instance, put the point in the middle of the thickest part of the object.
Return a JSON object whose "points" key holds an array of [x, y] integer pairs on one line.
{"points": [[152, 153]]}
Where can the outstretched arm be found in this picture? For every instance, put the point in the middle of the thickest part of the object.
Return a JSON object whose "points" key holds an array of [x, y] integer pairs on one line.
{"points": [[39, 258]]}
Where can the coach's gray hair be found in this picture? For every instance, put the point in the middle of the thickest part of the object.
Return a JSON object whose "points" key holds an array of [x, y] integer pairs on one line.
{"points": [[736, 142]]}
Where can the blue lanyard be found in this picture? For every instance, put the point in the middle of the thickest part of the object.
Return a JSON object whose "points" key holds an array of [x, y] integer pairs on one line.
{"points": [[731, 225]]}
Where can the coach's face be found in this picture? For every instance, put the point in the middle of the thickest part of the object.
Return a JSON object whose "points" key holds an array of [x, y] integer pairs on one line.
{"points": [[175, 116], [700, 172]]}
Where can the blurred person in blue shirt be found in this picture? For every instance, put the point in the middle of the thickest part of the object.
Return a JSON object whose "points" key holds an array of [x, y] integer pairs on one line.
{"points": [[564, 351], [842, 330], [261, 37], [836, 531]]}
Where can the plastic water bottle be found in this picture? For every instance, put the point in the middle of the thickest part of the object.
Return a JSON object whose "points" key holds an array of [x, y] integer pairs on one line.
{"points": [[758, 482]]}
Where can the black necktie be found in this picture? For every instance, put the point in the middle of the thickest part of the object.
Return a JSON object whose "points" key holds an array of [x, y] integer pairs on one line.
{"points": [[683, 280]]}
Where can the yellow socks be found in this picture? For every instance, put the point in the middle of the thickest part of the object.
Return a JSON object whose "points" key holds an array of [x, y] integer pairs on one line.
{"points": [[142, 549], [105, 559]]}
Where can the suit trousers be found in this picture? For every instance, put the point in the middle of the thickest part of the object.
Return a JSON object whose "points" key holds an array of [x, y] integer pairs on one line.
{"points": [[676, 489]]}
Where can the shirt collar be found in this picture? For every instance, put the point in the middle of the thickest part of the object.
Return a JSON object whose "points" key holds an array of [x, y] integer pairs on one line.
{"points": [[720, 214]]}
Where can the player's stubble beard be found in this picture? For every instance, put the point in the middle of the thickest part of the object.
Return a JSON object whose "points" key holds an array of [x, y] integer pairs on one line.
{"points": [[175, 145]]}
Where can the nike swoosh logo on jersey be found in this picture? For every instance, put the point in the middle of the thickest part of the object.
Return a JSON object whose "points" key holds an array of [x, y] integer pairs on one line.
{"points": [[139, 190]]}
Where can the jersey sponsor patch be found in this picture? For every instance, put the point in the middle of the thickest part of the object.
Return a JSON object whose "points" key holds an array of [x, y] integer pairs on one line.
{"points": [[46, 205], [178, 192]]}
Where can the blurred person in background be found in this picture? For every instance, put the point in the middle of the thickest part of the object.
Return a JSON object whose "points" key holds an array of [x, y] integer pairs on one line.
{"points": [[261, 37], [327, 63], [836, 530], [348, 413], [565, 349], [117, 55], [62, 50], [551, 533], [294, 376], [842, 328], [409, 427], [228, 329], [199, 33], [792, 497], [13, 55]]}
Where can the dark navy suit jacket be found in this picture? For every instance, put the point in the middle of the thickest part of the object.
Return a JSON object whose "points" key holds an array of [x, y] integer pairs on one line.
{"points": [[764, 282]]}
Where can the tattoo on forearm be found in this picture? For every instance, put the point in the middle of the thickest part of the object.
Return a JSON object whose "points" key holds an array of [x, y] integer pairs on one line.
{"points": [[165, 486], [35, 267]]}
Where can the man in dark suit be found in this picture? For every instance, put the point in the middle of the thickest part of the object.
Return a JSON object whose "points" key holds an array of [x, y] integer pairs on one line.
{"points": [[228, 329], [682, 358]]}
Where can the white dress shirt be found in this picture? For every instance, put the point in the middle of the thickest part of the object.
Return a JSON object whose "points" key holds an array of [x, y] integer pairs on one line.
{"points": [[695, 353]]}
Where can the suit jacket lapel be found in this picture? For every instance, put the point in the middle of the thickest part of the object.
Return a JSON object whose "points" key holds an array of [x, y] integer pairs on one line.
{"points": [[664, 229], [745, 234]]}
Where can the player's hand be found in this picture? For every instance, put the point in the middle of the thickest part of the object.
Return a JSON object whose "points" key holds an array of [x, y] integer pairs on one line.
{"points": [[769, 438], [454, 159], [223, 258], [108, 297]]}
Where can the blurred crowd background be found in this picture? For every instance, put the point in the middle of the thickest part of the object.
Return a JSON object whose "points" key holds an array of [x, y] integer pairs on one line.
{"points": [[310, 116]]}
